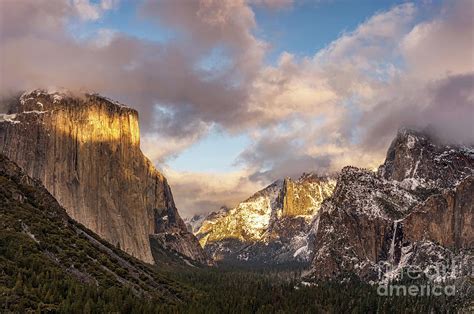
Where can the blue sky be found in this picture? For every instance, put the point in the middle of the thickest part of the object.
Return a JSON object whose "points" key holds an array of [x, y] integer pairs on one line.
{"points": [[215, 153], [302, 30], [308, 27], [252, 81]]}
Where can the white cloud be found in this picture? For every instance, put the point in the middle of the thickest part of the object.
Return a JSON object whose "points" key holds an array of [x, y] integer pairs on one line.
{"points": [[109, 4], [104, 37], [442, 46], [402, 67], [344, 105], [201, 192], [161, 148], [272, 4], [87, 10]]}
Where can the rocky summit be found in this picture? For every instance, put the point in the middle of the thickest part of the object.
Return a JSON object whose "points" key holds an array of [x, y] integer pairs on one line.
{"points": [[270, 227], [85, 149], [417, 210]]}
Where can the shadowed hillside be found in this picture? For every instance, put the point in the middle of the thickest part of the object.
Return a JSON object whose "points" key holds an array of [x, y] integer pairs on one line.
{"points": [[50, 262]]}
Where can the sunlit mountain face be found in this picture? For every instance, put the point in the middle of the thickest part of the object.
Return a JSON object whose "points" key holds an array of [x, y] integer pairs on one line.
{"points": [[85, 150], [279, 215], [236, 156]]}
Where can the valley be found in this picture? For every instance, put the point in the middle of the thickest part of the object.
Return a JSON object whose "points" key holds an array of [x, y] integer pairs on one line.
{"points": [[236, 156], [71, 236]]}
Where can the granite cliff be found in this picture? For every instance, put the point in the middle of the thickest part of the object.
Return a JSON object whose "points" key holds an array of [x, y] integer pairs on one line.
{"points": [[85, 149], [417, 210]]}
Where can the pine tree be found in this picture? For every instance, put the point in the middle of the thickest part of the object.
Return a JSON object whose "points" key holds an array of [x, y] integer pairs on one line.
{"points": [[88, 307], [18, 288]]}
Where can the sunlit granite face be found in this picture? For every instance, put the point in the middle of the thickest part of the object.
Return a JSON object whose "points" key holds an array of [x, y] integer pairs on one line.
{"points": [[86, 151]]}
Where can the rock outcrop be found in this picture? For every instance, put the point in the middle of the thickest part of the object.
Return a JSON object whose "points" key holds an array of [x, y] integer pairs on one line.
{"points": [[85, 149], [416, 210], [446, 218], [268, 228]]}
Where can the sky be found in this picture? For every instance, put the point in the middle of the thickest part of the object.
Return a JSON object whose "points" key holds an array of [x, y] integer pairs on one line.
{"points": [[234, 94]]}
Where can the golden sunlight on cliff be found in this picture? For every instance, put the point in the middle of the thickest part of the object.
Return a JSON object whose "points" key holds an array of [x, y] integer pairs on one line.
{"points": [[98, 126]]}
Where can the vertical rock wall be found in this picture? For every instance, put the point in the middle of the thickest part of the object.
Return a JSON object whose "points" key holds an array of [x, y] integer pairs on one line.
{"points": [[86, 151]]}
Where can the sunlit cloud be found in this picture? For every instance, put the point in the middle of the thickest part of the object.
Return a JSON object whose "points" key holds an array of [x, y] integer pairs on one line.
{"points": [[200, 192], [339, 106]]}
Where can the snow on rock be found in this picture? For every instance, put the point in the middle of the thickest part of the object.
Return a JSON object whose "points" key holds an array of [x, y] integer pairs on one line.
{"points": [[8, 118], [411, 212], [272, 225]]}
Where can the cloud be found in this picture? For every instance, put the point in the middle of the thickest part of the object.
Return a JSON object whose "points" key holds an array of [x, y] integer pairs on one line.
{"points": [[209, 24], [160, 147], [443, 45], [311, 108], [90, 11], [273, 4], [32, 18], [435, 89], [343, 105], [445, 107], [197, 193], [176, 96], [109, 4], [411, 65], [104, 37]]}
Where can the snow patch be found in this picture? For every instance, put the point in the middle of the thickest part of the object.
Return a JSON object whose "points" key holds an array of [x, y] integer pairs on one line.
{"points": [[26, 230], [411, 141], [304, 250], [35, 112], [8, 118]]}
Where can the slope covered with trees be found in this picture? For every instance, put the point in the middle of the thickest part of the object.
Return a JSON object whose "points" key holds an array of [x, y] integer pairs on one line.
{"points": [[50, 262]]}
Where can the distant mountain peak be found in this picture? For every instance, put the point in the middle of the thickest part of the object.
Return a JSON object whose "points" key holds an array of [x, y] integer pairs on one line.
{"points": [[271, 222], [415, 155], [416, 210]]}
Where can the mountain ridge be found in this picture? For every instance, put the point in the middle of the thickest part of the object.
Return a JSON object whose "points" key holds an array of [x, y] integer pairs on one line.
{"points": [[397, 216], [269, 226]]}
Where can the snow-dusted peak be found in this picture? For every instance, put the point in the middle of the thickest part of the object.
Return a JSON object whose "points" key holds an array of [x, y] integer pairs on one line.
{"points": [[370, 195], [421, 160], [50, 99], [270, 191], [413, 210], [54, 94], [277, 218], [195, 222]]}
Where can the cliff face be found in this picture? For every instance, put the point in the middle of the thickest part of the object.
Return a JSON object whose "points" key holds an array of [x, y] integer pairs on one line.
{"points": [[446, 218], [415, 156], [86, 151], [305, 195], [417, 210], [270, 226]]}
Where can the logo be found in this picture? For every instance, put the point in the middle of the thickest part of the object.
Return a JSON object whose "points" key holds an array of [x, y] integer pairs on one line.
{"points": [[412, 280]]}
